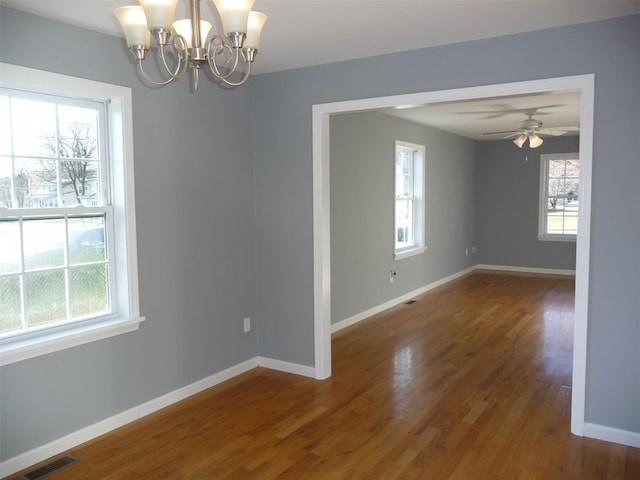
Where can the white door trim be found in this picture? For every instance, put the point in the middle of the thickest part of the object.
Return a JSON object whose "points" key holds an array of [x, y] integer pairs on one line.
{"points": [[322, 221]]}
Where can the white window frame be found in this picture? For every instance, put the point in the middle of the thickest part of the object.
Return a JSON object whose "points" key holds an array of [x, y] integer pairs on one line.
{"points": [[121, 172], [418, 246], [545, 158]]}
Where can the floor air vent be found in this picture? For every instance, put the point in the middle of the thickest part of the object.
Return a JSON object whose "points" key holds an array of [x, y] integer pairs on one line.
{"points": [[410, 302], [49, 468]]}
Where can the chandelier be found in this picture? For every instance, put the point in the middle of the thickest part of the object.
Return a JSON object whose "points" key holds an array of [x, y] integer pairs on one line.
{"points": [[186, 45]]}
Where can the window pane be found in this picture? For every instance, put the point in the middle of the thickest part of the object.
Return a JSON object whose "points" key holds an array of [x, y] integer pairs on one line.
{"points": [[79, 183], [555, 186], [34, 127], [555, 222], [404, 173], [571, 223], [557, 168], [573, 168], [86, 240], [88, 288], [404, 235], [45, 297], [36, 183], [6, 172], [78, 132], [5, 129], [9, 246], [404, 210], [404, 223], [10, 305], [43, 243]]}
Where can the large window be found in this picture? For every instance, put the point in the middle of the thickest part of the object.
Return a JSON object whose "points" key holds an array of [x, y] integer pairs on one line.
{"points": [[559, 196], [67, 235], [409, 199]]}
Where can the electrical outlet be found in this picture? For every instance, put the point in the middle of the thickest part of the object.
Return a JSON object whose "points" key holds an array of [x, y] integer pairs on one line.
{"points": [[247, 324], [466, 252], [392, 276]]}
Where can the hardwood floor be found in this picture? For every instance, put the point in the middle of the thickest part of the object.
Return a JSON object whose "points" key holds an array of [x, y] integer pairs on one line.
{"points": [[473, 381]]}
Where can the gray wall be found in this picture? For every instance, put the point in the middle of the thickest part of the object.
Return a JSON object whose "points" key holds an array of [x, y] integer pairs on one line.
{"points": [[194, 207], [508, 196], [362, 168], [284, 178]]}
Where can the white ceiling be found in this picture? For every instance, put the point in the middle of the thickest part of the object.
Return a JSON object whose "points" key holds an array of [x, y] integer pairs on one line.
{"points": [[310, 32], [472, 118]]}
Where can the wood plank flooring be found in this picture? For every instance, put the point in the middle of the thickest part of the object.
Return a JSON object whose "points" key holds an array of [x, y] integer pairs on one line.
{"points": [[473, 382]]}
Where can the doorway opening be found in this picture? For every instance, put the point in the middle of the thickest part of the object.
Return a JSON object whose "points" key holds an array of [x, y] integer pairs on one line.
{"points": [[322, 222]]}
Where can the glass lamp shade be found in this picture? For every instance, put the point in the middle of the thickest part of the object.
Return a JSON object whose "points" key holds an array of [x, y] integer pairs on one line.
{"points": [[535, 141], [234, 14], [183, 28], [134, 23], [159, 13], [254, 28], [520, 140]]}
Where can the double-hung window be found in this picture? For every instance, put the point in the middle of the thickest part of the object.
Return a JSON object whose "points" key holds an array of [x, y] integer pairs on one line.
{"points": [[409, 199], [559, 196], [67, 232]]}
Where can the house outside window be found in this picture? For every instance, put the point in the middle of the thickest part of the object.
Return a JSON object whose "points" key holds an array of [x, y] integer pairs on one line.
{"points": [[559, 196], [409, 199], [68, 268]]}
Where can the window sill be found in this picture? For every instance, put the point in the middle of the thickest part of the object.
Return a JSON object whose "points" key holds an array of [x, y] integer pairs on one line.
{"points": [[557, 238], [408, 253], [22, 349]]}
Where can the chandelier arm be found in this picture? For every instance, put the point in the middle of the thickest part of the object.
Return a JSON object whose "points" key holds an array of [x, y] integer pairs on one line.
{"points": [[242, 80], [218, 49], [150, 80], [180, 51]]}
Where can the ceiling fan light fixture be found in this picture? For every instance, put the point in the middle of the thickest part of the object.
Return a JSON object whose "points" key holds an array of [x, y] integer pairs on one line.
{"points": [[535, 141], [520, 140]]}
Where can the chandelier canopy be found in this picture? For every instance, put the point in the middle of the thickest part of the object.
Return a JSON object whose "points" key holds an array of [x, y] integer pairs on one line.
{"points": [[186, 45]]}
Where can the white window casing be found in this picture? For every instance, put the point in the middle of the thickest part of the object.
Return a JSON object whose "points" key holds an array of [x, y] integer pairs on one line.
{"points": [[121, 241], [565, 221], [409, 233]]}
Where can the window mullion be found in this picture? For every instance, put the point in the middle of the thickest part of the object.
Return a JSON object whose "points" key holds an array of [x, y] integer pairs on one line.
{"points": [[67, 283], [58, 162], [23, 300], [14, 193]]}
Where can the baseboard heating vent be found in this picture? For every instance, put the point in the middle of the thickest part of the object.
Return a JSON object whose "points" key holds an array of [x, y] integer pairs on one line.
{"points": [[410, 302], [49, 468]]}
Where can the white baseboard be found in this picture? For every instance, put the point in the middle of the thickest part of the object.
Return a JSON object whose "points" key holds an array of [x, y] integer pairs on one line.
{"points": [[347, 322], [544, 271], [610, 434], [83, 435], [287, 367]]}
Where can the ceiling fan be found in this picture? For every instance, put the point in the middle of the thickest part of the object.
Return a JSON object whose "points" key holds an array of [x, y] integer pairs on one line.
{"points": [[531, 129]]}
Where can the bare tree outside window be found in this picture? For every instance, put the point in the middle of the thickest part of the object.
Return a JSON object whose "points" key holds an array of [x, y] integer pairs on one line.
{"points": [[79, 174]]}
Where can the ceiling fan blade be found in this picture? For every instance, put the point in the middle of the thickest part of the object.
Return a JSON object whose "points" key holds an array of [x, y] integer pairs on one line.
{"points": [[507, 133], [536, 111], [557, 131], [502, 110], [551, 131]]}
